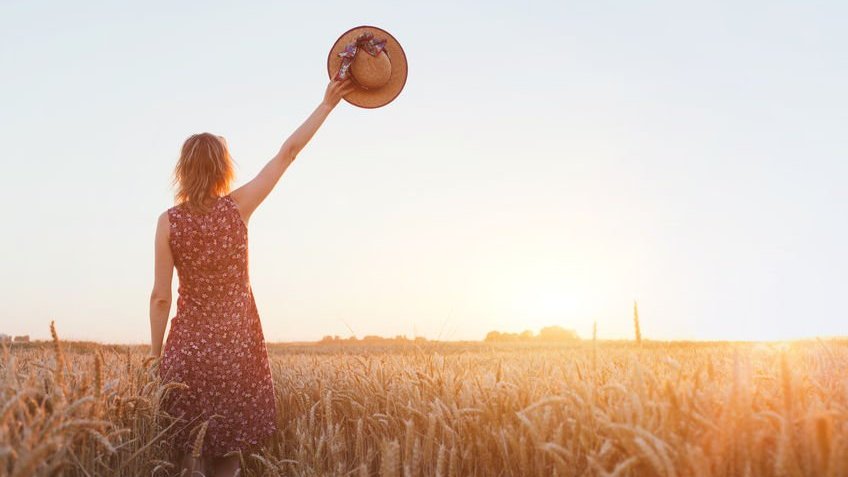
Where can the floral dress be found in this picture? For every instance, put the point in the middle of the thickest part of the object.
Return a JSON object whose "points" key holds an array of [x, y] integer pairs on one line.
{"points": [[216, 345]]}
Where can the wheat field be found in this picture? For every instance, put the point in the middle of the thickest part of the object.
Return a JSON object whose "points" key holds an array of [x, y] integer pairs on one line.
{"points": [[452, 409]]}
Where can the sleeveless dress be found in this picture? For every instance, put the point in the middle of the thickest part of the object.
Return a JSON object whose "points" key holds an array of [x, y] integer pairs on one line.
{"points": [[216, 345]]}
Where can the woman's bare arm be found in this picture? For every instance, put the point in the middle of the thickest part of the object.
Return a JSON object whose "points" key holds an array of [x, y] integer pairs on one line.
{"points": [[160, 297], [249, 196]]}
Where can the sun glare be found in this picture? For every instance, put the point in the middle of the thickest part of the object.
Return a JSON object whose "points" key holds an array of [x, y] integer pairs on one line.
{"points": [[545, 304]]}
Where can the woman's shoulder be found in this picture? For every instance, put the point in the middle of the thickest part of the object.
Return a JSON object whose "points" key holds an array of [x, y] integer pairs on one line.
{"points": [[229, 199], [167, 217], [234, 204], [170, 211], [173, 214], [164, 224]]}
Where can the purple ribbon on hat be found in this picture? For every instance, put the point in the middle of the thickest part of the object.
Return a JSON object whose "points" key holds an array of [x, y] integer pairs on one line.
{"points": [[364, 41]]}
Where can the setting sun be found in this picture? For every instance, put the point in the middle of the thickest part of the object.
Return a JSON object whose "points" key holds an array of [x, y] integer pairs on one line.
{"points": [[549, 302]]}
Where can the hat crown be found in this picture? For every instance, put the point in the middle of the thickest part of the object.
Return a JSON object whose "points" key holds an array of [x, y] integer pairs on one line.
{"points": [[371, 71]]}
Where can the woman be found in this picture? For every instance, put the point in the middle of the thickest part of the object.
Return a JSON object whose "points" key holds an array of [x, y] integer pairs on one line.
{"points": [[216, 345]]}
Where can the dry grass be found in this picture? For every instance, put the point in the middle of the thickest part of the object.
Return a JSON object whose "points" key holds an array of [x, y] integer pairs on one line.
{"points": [[597, 408]]}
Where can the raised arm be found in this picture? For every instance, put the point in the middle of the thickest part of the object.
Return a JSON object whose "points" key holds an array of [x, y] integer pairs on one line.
{"points": [[160, 297], [249, 196]]}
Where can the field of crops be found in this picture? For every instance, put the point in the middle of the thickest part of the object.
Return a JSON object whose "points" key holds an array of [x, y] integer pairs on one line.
{"points": [[607, 409]]}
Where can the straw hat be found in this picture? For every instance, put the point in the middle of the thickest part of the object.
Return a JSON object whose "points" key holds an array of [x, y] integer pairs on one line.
{"points": [[375, 62]]}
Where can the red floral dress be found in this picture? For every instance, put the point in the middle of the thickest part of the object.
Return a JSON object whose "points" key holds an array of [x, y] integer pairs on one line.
{"points": [[216, 345]]}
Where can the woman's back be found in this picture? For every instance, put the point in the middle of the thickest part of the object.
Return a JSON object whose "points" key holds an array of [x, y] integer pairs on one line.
{"points": [[216, 345], [210, 255]]}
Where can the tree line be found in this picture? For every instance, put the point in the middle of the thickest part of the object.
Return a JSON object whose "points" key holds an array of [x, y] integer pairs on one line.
{"points": [[548, 334]]}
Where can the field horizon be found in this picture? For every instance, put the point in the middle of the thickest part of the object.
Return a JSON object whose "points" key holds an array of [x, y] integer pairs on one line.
{"points": [[588, 407], [411, 342]]}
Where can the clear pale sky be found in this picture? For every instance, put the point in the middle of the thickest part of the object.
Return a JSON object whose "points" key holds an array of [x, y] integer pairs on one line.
{"points": [[547, 163]]}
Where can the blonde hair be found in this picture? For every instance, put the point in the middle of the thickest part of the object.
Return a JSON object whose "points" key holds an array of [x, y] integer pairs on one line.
{"points": [[204, 171]]}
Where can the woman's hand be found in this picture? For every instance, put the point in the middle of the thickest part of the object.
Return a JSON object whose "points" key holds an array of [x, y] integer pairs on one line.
{"points": [[336, 90]]}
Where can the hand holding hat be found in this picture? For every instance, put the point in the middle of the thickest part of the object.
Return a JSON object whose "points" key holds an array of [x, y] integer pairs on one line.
{"points": [[373, 61], [336, 90]]}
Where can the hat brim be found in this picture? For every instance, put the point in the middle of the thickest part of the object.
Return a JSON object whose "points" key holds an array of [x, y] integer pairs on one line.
{"points": [[372, 98]]}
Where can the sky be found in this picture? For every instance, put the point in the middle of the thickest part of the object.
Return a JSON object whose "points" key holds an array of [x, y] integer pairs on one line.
{"points": [[547, 163]]}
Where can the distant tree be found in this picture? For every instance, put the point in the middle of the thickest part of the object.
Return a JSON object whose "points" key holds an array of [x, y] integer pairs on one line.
{"points": [[550, 333], [557, 333]]}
